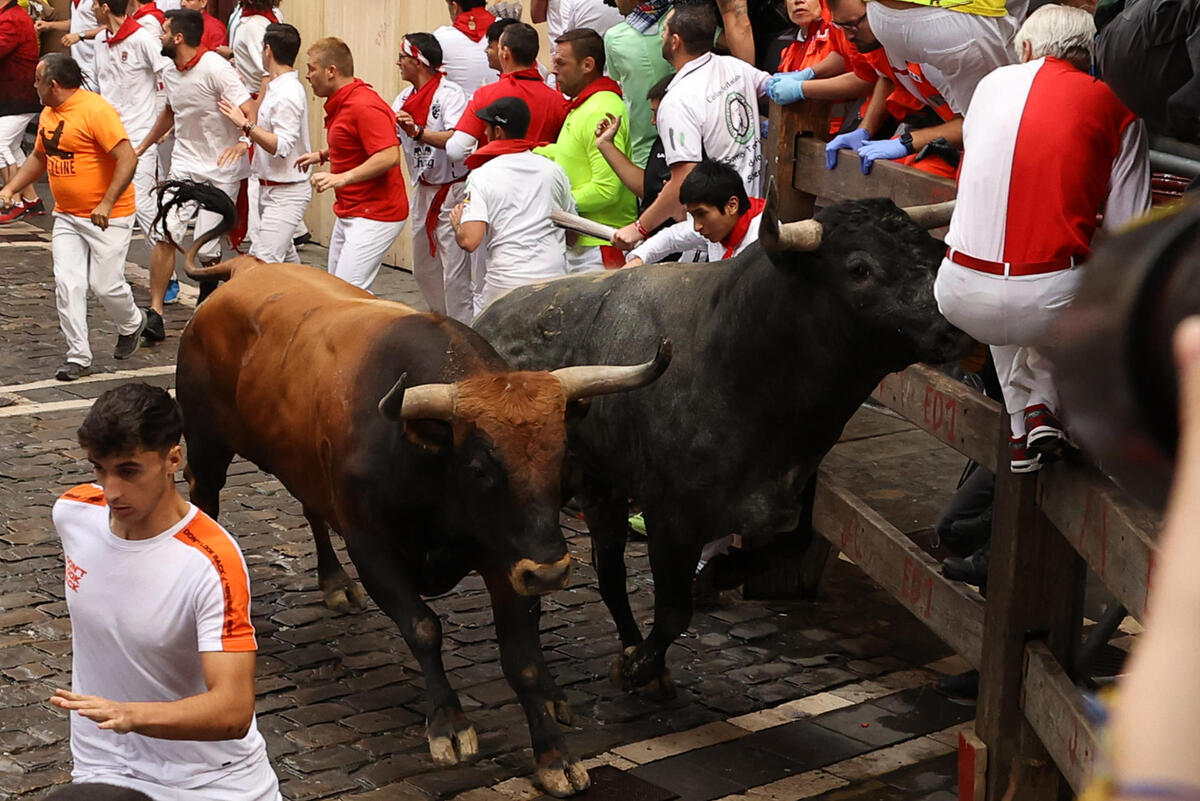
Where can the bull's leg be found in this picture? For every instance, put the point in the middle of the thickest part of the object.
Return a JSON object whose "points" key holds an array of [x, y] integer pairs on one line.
{"points": [[451, 736], [525, 668], [608, 523], [207, 463], [341, 593], [674, 552]]}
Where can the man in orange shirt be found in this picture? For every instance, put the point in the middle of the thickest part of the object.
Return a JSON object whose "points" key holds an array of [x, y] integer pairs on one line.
{"points": [[82, 144]]}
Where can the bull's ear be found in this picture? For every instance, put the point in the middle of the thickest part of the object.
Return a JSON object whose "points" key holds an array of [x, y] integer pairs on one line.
{"points": [[577, 410], [429, 435], [768, 228]]}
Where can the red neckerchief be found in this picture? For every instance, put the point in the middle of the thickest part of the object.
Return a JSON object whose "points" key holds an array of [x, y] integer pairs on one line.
{"points": [[602, 84], [474, 23], [335, 101], [151, 10], [528, 74], [200, 51], [500, 147], [418, 103], [731, 242], [269, 14], [127, 29]]}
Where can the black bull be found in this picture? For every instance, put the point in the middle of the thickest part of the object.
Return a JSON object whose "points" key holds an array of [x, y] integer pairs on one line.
{"points": [[774, 351]]}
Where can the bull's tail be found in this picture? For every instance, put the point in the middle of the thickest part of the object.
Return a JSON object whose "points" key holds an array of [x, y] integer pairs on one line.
{"points": [[172, 194]]}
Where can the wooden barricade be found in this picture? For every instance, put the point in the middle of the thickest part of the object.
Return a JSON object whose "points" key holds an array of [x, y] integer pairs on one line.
{"points": [[1048, 528]]}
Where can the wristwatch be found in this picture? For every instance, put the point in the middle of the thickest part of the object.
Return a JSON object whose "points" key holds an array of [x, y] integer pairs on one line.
{"points": [[906, 140], [249, 126]]}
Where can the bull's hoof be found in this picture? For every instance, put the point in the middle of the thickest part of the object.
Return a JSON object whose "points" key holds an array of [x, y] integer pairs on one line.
{"points": [[633, 672], [563, 776], [560, 710], [452, 738], [345, 597]]}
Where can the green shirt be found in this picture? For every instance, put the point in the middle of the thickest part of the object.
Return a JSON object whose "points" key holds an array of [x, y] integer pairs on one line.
{"points": [[635, 61], [598, 192]]}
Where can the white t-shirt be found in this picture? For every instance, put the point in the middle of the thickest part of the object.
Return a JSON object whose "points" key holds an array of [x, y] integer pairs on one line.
{"points": [[426, 161], [283, 112], [711, 110], [567, 15], [142, 612], [523, 246], [247, 46], [128, 74], [683, 237], [464, 61], [202, 132], [83, 18]]}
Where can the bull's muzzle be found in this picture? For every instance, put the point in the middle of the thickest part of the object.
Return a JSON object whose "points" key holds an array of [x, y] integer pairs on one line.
{"points": [[533, 578]]}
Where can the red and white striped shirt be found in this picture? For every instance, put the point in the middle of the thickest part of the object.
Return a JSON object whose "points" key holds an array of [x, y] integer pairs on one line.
{"points": [[1047, 149]]}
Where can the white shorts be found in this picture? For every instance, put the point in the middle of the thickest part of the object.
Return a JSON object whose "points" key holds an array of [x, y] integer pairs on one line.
{"points": [[254, 782], [180, 216]]}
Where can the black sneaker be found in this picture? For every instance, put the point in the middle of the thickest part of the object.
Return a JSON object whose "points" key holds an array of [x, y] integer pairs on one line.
{"points": [[71, 371], [302, 240], [128, 344], [972, 570], [154, 330]]}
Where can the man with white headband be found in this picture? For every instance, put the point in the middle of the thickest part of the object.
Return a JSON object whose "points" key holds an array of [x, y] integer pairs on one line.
{"points": [[433, 102]]}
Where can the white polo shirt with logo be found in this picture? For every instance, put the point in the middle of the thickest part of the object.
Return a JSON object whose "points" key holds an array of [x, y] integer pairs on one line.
{"points": [[129, 73], [426, 162], [711, 111], [202, 132]]}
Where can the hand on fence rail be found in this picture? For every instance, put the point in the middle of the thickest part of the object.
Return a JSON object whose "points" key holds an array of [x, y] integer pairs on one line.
{"points": [[788, 87], [1155, 747], [847, 141]]}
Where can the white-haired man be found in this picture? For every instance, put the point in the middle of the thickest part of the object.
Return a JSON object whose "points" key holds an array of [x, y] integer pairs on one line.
{"points": [[1048, 148]]}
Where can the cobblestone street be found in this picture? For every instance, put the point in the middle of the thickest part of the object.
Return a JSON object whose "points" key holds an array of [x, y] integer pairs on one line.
{"points": [[778, 700]]}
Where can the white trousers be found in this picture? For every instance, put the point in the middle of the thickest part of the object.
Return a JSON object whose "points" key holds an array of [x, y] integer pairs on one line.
{"points": [[180, 216], [87, 258], [444, 279], [145, 176], [962, 47], [357, 247], [254, 781], [12, 131], [1013, 316], [280, 210]]}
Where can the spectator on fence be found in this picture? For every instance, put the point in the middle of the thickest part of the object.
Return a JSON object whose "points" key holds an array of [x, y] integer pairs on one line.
{"points": [[710, 111], [1046, 135], [633, 54], [598, 192], [162, 703], [19, 104]]}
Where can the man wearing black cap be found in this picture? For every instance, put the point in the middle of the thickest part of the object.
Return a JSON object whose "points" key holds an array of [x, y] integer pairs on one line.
{"points": [[523, 246]]}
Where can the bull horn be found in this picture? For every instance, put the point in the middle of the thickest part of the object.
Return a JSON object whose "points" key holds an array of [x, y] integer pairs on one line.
{"points": [[935, 215], [585, 381], [424, 402], [802, 235]]}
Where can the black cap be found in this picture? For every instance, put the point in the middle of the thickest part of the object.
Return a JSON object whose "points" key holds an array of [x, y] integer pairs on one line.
{"points": [[510, 113]]}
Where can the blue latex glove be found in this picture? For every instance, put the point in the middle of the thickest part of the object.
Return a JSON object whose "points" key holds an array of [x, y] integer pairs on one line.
{"points": [[881, 149], [847, 141], [788, 87]]}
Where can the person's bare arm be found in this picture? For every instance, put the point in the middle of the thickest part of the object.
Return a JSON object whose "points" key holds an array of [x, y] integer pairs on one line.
{"points": [[33, 169], [469, 235], [631, 175], [830, 67], [126, 160], [876, 113], [376, 165], [950, 131], [52, 25], [739, 38], [223, 712], [537, 10], [665, 207], [838, 88]]}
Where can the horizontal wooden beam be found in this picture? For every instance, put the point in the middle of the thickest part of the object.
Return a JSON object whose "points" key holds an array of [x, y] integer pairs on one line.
{"points": [[1112, 534], [953, 612], [905, 186], [1054, 708], [964, 419]]}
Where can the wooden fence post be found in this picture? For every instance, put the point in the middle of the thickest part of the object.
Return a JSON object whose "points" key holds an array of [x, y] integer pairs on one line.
{"points": [[1035, 592], [787, 125]]}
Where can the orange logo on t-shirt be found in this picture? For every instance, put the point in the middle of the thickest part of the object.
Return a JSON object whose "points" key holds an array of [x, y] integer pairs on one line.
{"points": [[74, 574]]}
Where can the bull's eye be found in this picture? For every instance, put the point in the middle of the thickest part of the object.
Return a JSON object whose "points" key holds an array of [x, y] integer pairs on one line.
{"points": [[860, 266]]}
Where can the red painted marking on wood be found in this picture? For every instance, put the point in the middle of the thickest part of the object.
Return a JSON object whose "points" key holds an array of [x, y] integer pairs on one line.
{"points": [[916, 587], [941, 412], [849, 541]]}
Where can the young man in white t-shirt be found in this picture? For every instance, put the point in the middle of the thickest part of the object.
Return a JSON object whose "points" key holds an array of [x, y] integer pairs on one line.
{"points": [[208, 147], [164, 702], [280, 137], [433, 103], [510, 194], [710, 111], [464, 45], [129, 68]]}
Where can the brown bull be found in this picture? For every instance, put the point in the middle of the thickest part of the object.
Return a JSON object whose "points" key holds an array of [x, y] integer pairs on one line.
{"points": [[412, 438]]}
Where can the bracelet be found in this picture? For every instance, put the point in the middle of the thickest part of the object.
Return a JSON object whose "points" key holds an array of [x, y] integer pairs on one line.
{"points": [[420, 133], [641, 229], [248, 127]]}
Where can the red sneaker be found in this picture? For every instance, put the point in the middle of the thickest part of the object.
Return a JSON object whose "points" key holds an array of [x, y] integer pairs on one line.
{"points": [[1024, 459], [1044, 432], [13, 214], [35, 209]]}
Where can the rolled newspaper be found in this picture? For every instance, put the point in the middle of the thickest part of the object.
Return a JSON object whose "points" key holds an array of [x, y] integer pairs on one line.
{"points": [[582, 225]]}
